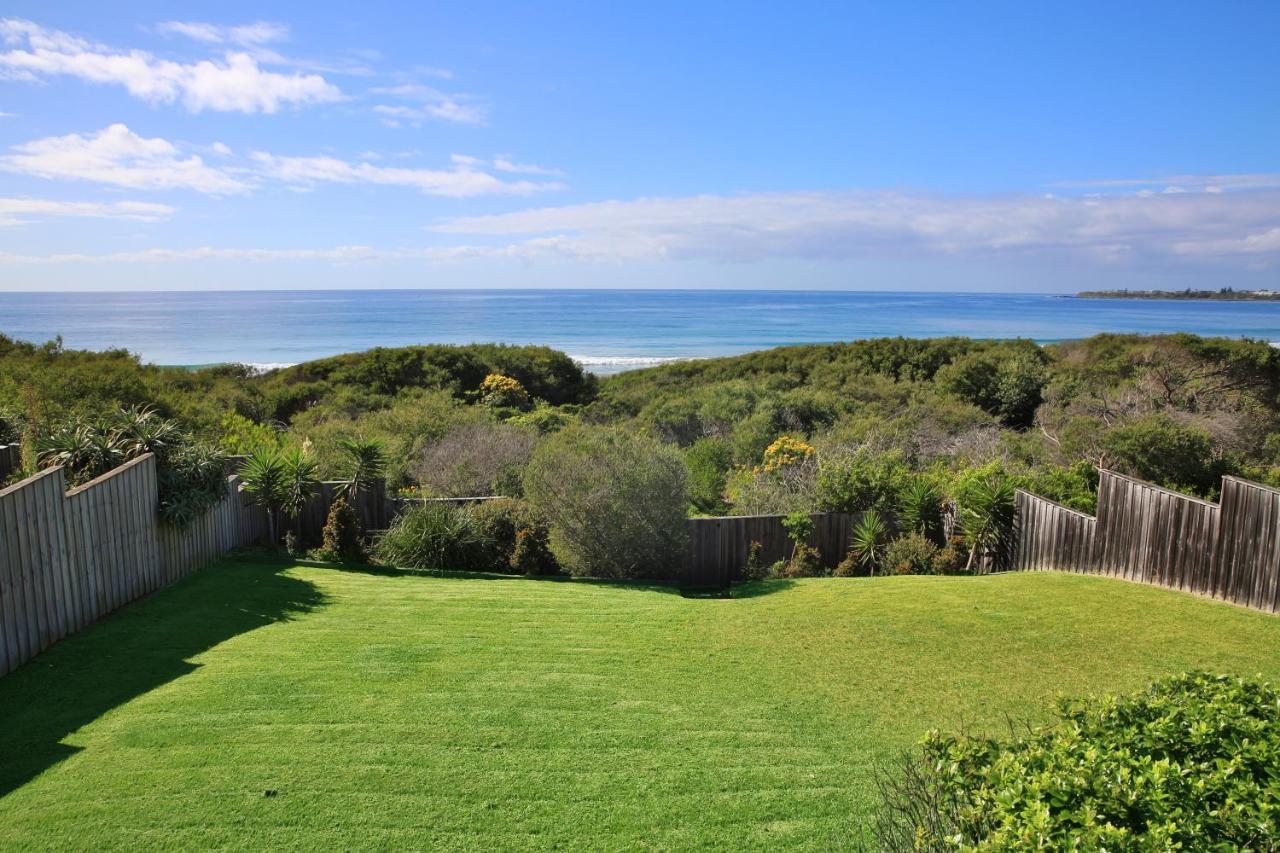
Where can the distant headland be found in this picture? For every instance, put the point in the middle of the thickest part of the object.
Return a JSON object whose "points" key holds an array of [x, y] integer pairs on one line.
{"points": [[1223, 293]]}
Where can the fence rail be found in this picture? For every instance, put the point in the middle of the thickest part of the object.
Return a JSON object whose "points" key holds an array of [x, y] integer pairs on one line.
{"points": [[1228, 550], [68, 558]]}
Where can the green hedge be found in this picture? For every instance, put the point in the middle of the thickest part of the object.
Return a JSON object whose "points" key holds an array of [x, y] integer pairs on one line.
{"points": [[1193, 762]]}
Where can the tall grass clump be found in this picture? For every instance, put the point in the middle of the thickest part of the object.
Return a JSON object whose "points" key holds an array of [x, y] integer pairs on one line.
{"points": [[437, 537]]}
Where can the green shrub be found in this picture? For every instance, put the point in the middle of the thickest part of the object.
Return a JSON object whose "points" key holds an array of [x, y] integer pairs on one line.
{"points": [[341, 536], [476, 459], [755, 569], [1006, 380], [859, 480], [1158, 449], [615, 502], [709, 461], [805, 562], [1193, 762], [950, 558], [518, 536], [436, 537], [191, 479], [911, 554], [531, 553]]}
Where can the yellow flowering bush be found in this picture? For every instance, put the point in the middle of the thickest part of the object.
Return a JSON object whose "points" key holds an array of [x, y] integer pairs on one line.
{"points": [[786, 450], [499, 390]]}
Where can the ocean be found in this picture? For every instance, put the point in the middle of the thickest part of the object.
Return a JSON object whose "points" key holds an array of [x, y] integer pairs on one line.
{"points": [[606, 330]]}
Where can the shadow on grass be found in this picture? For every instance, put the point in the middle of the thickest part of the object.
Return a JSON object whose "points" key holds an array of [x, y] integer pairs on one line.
{"points": [[745, 590], [131, 652]]}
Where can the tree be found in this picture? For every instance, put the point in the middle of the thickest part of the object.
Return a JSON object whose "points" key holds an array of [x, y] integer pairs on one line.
{"points": [[1158, 449]]}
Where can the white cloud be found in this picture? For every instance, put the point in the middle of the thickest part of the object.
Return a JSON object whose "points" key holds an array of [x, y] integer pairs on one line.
{"points": [[237, 83], [843, 225], [463, 180], [19, 211], [336, 254], [245, 35], [504, 163], [120, 157], [116, 156], [1187, 183], [424, 103]]}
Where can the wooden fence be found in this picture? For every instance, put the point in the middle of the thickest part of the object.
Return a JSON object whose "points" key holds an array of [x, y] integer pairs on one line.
{"points": [[372, 507], [1146, 533], [10, 459], [69, 558], [719, 547]]}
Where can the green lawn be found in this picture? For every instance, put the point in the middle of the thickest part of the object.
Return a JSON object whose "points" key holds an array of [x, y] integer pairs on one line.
{"points": [[299, 707]]}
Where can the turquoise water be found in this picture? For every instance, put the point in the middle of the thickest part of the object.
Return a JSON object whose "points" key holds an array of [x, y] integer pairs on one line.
{"points": [[607, 330]]}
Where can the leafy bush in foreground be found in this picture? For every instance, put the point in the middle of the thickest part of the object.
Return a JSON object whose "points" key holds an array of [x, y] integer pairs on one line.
{"points": [[1193, 762], [437, 537]]}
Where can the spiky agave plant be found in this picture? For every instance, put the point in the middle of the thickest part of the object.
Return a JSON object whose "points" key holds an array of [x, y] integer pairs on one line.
{"points": [[367, 461], [987, 520], [870, 538], [85, 450], [920, 509], [140, 429]]}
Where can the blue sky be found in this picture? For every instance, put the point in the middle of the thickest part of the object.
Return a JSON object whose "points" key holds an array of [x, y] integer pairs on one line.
{"points": [[994, 146]]}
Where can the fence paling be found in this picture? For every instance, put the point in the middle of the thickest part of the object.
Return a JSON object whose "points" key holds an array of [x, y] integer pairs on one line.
{"points": [[68, 558], [1229, 550]]}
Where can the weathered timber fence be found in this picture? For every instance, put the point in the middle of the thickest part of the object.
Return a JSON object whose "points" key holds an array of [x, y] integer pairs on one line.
{"points": [[10, 459], [68, 558], [1142, 532], [719, 547], [372, 507]]}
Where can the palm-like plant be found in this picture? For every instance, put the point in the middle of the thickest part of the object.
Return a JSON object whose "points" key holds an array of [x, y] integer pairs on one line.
{"points": [[870, 538], [278, 481], [368, 462], [141, 430], [300, 481], [920, 509], [85, 450], [987, 520]]}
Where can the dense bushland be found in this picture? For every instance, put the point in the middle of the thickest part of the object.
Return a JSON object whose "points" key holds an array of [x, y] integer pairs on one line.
{"points": [[921, 431]]}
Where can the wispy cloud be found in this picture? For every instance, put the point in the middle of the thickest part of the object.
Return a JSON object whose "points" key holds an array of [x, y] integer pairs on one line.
{"points": [[20, 211], [464, 179], [505, 163], [336, 254], [1205, 228], [842, 225], [245, 35], [236, 83], [420, 103], [117, 156], [1183, 183]]}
